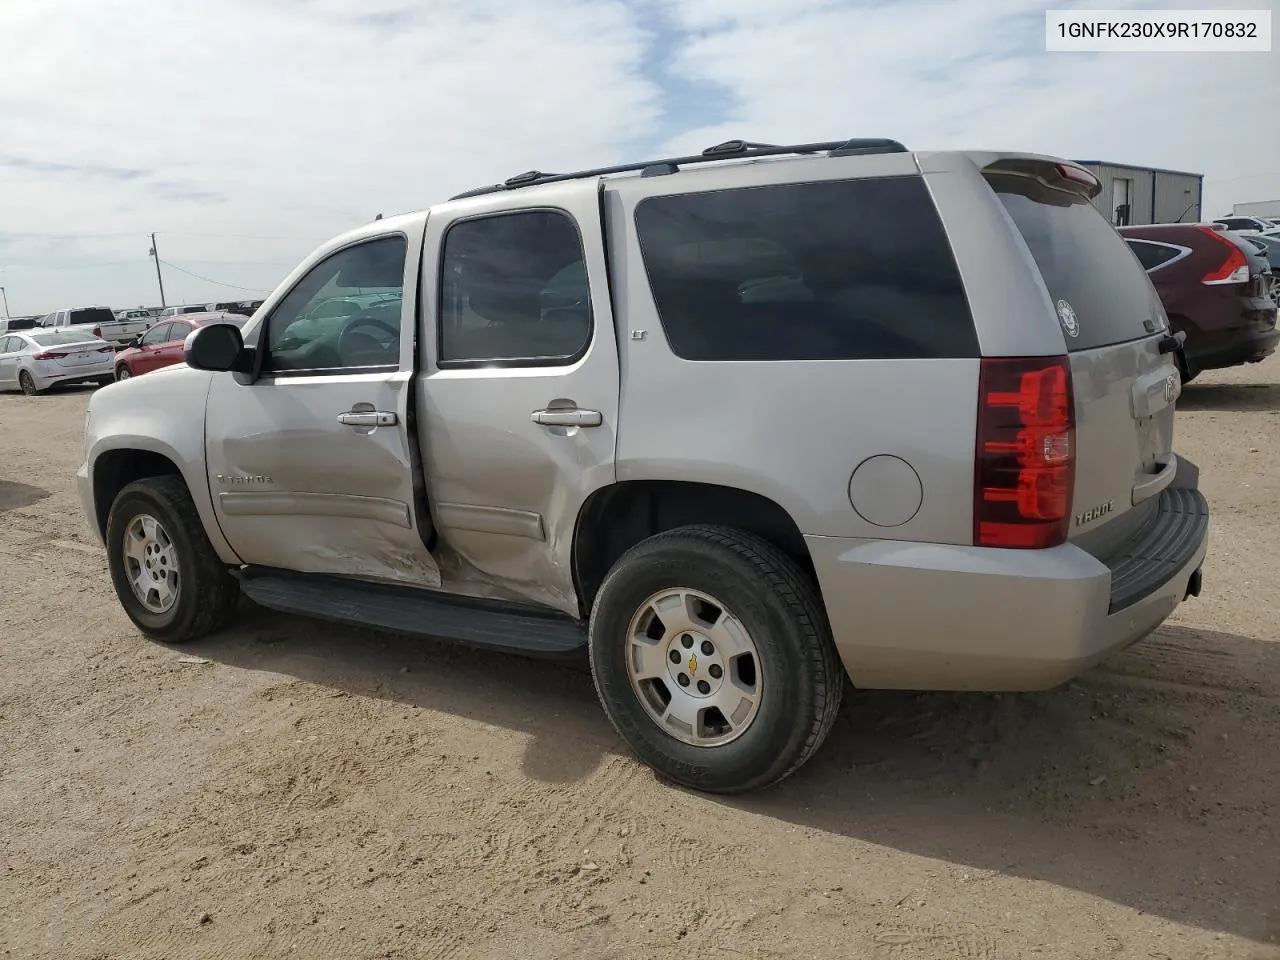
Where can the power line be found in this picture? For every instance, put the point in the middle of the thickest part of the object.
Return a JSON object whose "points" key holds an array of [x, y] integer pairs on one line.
{"points": [[218, 283]]}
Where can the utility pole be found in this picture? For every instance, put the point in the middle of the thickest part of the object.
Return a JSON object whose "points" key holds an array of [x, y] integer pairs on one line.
{"points": [[5, 296], [159, 279]]}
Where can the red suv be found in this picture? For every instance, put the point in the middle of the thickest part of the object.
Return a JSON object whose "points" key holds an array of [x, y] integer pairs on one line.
{"points": [[161, 346], [1215, 287]]}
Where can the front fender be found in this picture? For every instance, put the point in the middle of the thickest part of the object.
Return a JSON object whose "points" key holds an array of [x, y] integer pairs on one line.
{"points": [[160, 413]]}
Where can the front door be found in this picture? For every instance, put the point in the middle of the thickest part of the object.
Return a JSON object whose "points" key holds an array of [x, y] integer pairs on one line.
{"points": [[170, 349], [310, 466], [145, 359], [519, 387]]}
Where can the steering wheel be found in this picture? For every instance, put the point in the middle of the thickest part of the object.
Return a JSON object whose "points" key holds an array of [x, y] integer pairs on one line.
{"points": [[352, 343]]}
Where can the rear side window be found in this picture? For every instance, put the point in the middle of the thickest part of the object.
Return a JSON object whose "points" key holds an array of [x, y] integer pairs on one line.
{"points": [[1101, 296], [1152, 255], [835, 270]]}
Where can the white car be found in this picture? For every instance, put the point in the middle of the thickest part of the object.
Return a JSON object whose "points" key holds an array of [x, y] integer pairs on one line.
{"points": [[1244, 225], [35, 360]]}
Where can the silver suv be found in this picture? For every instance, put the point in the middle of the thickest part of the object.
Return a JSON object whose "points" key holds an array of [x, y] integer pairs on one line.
{"points": [[737, 424]]}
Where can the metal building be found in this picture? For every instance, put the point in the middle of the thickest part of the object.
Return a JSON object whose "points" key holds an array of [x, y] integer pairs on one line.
{"points": [[1140, 195]]}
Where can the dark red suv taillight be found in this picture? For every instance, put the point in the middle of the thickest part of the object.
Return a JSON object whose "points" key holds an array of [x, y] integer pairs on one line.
{"points": [[1025, 458], [1235, 269]]}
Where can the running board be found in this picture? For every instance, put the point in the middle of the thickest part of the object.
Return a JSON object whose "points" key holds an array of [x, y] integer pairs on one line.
{"points": [[512, 628]]}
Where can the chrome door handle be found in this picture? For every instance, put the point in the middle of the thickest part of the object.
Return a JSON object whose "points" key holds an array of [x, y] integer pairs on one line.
{"points": [[568, 417], [368, 418]]}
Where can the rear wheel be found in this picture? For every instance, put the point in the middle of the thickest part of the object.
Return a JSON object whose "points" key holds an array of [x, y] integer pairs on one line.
{"points": [[713, 658], [28, 384], [166, 574]]}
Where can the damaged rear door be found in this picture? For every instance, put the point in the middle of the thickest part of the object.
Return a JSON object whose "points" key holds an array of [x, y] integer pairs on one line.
{"points": [[311, 460]]}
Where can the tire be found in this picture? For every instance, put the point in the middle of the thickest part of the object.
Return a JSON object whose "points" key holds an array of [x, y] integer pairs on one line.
{"points": [[206, 593], [28, 384], [797, 674], [123, 373]]}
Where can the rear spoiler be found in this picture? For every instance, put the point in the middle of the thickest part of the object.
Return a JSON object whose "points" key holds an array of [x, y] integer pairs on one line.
{"points": [[1061, 175]]}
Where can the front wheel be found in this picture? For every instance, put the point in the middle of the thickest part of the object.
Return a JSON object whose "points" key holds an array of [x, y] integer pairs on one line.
{"points": [[123, 373], [166, 574], [713, 658]]}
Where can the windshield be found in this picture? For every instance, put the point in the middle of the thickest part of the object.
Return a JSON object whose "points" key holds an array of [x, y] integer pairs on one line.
{"points": [[57, 338]]}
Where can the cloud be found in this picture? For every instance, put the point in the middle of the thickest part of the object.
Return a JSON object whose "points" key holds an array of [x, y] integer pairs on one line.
{"points": [[941, 74], [246, 131], [297, 118]]}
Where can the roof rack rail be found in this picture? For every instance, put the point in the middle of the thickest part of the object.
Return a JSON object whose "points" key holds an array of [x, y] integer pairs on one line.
{"points": [[729, 150]]}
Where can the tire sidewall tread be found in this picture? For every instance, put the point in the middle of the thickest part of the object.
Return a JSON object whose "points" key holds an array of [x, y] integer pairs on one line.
{"points": [[207, 592], [779, 605]]}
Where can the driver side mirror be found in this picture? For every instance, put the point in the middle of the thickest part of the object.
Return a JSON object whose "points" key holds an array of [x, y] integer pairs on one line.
{"points": [[218, 347]]}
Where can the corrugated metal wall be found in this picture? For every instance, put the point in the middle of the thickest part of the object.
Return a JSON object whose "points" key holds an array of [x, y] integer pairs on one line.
{"points": [[1154, 196], [1177, 198]]}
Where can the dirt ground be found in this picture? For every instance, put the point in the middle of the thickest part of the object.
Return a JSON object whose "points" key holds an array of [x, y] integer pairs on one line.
{"points": [[303, 790]]}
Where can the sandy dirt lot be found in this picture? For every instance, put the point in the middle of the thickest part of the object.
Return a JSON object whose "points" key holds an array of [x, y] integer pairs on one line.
{"points": [[303, 790]]}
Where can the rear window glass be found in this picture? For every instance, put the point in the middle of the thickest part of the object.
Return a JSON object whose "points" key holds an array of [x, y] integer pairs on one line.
{"points": [[93, 315], [56, 338], [835, 270], [1098, 289]]}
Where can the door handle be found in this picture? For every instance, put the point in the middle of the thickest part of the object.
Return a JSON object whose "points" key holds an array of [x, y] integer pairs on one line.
{"points": [[368, 418], [567, 417]]}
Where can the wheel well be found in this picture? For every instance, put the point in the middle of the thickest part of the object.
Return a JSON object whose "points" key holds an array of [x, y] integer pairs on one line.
{"points": [[116, 469], [617, 517]]}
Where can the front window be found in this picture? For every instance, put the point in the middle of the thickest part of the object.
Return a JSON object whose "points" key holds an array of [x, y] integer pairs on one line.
{"points": [[344, 314]]}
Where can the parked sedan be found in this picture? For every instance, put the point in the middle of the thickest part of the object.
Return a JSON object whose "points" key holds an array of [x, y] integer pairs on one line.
{"points": [[1215, 287], [161, 346], [35, 360]]}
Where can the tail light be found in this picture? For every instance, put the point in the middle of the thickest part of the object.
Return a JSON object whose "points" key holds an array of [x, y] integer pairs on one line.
{"points": [[97, 332], [49, 355], [107, 349], [1069, 171], [1236, 267], [1025, 459]]}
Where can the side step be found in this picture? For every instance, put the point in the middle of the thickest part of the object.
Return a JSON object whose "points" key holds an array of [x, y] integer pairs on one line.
{"points": [[513, 628]]}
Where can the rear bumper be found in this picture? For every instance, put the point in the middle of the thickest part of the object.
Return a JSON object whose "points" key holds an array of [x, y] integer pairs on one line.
{"points": [[1249, 347], [88, 373], [927, 616]]}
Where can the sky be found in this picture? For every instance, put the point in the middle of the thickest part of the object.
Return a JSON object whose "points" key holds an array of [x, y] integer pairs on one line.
{"points": [[244, 133]]}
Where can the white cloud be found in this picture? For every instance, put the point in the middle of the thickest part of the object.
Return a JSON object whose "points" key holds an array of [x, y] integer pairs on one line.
{"points": [[286, 117], [295, 119], [939, 74]]}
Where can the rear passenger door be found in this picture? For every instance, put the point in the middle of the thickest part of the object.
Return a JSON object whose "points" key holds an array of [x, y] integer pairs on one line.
{"points": [[518, 385]]}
